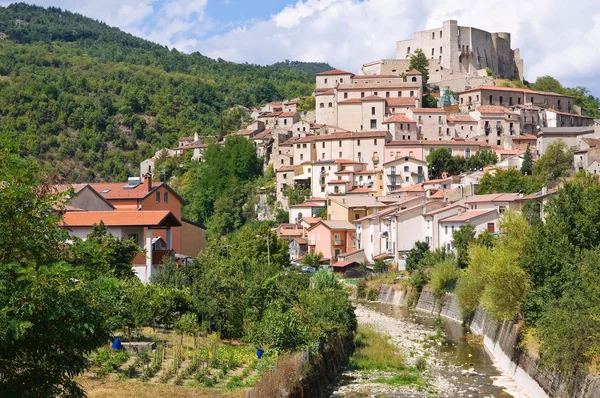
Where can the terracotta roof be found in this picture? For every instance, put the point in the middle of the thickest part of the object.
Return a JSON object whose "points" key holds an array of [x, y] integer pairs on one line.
{"points": [[405, 158], [115, 190], [305, 204], [428, 110], [316, 200], [333, 72], [373, 97], [116, 218], [344, 172], [512, 89], [410, 188], [526, 137], [342, 264], [340, 136], [383, 85], [467, 216], [351, 252], [335, 224], [358, 201], [376, 77], [494, 109], [290, 232], [312, 220], [338, 182], [592, 142], [461, 119], [437, 211], [401, 101], [507, 151], [439, 194], [398, 118], [413, 72], [569, 114], [493, 197], [359, 190], [286, 168], [287, 114], [327, 92], [382, 256], [351, 101], [366, 172]]}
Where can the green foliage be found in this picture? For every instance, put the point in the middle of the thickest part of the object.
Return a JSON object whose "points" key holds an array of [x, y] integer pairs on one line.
{"points": [[218, 188], [92, 101], [443, 277], [311, 259], [308, 67], [306, 104], [441, 160], [488, 71], [296, 195], [527, 166], [380, 266], [373, 351], [556, 162], [507, 181], [429, 101], [463, 237], [419, 61], [581, 96], [323, 280], [547, 83], [416, 255]]}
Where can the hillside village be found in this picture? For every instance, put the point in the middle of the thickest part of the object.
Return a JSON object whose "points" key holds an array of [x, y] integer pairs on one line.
{"points": [[361, 155]]}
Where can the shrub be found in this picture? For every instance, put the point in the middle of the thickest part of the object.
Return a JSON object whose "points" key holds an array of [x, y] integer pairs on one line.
{"points": [[371, 294], [443, 278], [421, 364]]}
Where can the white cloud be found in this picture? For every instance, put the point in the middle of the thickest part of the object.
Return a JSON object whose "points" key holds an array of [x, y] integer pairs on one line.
{"points": [[555, 37]]}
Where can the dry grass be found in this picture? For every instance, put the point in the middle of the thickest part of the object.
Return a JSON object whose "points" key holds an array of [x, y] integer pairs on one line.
{"points": [[282, 379], [105, 388]]}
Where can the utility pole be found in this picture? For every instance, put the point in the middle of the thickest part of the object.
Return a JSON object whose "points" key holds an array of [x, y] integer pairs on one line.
{"points": [[268, 252]]}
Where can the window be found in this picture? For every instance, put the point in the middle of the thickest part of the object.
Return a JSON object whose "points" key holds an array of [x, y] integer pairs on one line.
{"points": [[406, 179], [375, 141], [412, 93], [414, 79], [510, 101], [359, 156], [406, 169], [373, 123], [362, 95], [452, 230], [339, 143], [491, 227], [166, 197], [500, 100], [158, 197], [446, 229], [301, 157], [325, 80], [284, 121], [345, 95], [532, 100], [340, 155], [432, 51], [399, 93], [323, 155], [323, 145], [321, 105], [440, 50], [375, 93], [372, 110], [393, 169], [330, 105], [303, 145], [341, 79], [133, 237], [461, 100], [432, 35], [468, 153], [408, 50], [491, 100], [387, 94], [357, 142], [477, 98], [440, 34], [439, 119]]}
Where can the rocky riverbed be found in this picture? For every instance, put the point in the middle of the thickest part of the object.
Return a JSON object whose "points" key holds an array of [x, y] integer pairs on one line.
{"points": [[455, 368]]}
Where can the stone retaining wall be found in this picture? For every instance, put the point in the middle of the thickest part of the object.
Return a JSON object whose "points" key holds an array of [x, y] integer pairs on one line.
{"points": [[502, 339]]}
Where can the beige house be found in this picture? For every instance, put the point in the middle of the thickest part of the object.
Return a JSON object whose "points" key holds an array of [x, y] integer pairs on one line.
{"points": [[471, 99], [572, 136], [352, 207], [431, 123], [402, 172], [496, 122]]}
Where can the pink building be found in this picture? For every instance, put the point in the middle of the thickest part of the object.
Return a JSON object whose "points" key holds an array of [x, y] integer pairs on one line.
{"points": [[331, 238], [419, 149]]}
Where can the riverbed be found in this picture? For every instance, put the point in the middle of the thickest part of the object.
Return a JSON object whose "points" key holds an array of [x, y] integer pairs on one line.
{"points": [[456, 367]]}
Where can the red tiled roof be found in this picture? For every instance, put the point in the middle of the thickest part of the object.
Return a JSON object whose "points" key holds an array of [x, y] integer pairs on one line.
{"points": [[398, 118], [290, 232], [286, 168], [360, 190], [413, 72], [338, 182], [428, 110], [495, 109], [512, 89], [351, 101], [115, 218], [326, 92], [401, 101], [526, 137], [592, 142], [569, 114], [342, 264], [376, 76], [333, 72], [434, 142], [366, 172], [461, 119], [316, 200], [344, 172], [341, 136], [467, 216], [312, 220], [373, 97], [287, 114], [115, 190], [307, 205]]}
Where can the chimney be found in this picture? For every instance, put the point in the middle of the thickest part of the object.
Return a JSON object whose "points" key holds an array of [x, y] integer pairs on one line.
{"points": [[148, 180], [196, 137], [544, 189]]}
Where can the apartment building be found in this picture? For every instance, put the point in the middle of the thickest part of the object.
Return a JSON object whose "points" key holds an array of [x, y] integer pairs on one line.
{"points": [[402, 172], [473, 98], [331, 237]]}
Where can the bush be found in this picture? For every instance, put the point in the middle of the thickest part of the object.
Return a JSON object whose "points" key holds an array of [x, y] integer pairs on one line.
{"points": [[371, 294], [421, 364], [443, 278], [361, 289]]}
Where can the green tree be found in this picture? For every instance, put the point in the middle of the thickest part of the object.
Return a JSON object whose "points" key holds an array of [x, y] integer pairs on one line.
{"points": [[306, 104], [296, 195], [438, 161], [527, 166], [312, 259], [429, 101], [507, 181], [418, 60], [463, 237], [556, 162], [380, 266], [415, 256], [549, 84], [482, 158]]}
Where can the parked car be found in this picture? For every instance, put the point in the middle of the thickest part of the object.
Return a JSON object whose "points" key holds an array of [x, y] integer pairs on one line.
{"points": [[307, 270]]}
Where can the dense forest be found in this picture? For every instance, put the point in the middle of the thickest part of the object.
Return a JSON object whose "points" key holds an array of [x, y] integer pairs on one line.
{"points": [[93, 101]]}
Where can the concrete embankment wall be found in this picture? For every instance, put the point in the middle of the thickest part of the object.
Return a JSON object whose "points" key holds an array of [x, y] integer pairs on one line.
{"points": [[502, 339]]}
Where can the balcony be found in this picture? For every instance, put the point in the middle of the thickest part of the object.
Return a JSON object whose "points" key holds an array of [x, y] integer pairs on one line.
{"points": [[487, 130], [322, 181], [339, 242], [375, 159]]}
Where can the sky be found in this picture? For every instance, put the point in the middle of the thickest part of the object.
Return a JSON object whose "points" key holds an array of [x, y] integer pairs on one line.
{"points": [[556, 38]]}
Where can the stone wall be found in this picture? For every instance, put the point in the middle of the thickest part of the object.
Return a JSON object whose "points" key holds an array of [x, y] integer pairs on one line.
{"points": [[502, 339]]}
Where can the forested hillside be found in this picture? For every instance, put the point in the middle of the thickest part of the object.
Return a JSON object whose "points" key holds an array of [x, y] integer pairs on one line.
{"points": [[93, 101]]}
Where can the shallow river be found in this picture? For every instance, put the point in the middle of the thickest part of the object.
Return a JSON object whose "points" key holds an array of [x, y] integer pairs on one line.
{"points": [[458, 368]]}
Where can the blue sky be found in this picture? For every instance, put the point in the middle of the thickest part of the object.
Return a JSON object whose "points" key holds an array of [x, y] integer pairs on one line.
{"points": [[556, 38]]}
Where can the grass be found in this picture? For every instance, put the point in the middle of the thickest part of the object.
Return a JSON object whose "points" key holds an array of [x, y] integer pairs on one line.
{"points": [[406, 378], [373, 351]]}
